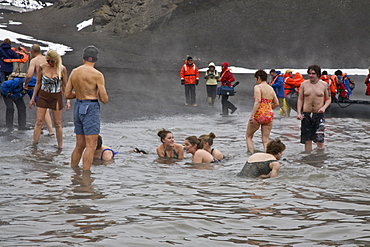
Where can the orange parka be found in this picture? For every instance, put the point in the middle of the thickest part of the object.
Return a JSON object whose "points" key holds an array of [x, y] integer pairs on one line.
{"points": [[189, 74], [290, 83]]}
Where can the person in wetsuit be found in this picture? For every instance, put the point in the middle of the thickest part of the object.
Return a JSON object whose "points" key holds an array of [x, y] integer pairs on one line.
{"points": [[168, 148], [264, 165]]}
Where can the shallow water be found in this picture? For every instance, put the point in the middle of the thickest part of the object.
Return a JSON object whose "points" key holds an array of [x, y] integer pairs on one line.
{"points": [[319, 199]]}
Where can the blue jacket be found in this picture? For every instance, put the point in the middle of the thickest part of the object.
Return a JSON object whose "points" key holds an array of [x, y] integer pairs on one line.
{"points": [[347, 84], [6, 53], [14, 88], [278, 85]]}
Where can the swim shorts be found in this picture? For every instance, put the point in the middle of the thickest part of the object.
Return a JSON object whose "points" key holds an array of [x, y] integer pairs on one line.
{"points": [[309, 126], [86, 117]]}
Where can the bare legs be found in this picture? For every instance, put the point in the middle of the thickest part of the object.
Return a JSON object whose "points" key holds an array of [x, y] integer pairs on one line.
{"points": [[48, 122], [40, 119], [85, 148], [251, 129], [308, 146], [57, 114]]}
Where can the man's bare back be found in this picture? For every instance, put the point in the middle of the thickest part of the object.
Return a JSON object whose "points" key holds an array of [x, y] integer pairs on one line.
{"points": [[87, 83], [34, 64]]}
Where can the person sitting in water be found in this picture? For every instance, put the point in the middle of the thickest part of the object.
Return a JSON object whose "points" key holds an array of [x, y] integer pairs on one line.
{"points": [[103, 152], [208, 142], [194, 146], [168, 148], [264, 165]]}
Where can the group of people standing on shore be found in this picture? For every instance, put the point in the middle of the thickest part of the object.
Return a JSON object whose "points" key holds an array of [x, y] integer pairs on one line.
{"points": [[189, 76]]}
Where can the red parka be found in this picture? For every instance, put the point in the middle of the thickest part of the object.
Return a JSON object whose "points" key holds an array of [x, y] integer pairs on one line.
{"points": [[227, 77]]}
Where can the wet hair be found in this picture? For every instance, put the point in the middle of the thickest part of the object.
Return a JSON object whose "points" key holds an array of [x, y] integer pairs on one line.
{"points": [[99, 143], [163, 133], [7, 41], [193, 140], [52, 54], [338, 72], [208, 138], [315, 68], [261, 74], [36, 48], [275, 146], [324, 72]]}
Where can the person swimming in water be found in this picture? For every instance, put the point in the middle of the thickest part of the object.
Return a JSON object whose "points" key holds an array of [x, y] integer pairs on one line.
{"points": [[264, 165], [208, 142], [194, 146], [103, 152], [168, 148]]}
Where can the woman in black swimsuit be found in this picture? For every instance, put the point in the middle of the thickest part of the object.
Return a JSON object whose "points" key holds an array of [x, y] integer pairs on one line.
{"points": [[208, 142], [168, 148], [264, 165]]}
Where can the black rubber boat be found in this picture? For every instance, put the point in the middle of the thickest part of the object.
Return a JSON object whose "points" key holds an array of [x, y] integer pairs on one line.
{"points": [[339, 109]]}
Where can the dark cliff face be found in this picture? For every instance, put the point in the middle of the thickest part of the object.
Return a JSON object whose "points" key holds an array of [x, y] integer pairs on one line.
{"points": [[254, 34]]}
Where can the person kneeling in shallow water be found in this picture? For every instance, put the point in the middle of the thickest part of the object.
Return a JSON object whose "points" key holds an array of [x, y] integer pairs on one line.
{"points": [[168, 148], [194, 146], [208, 142], [264, 165], [103, 152]]}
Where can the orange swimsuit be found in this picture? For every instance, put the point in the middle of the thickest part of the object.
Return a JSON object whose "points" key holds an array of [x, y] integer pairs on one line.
{"points": [[264, 114]]}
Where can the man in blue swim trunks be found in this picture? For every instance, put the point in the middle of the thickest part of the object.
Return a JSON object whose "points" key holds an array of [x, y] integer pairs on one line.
{"points": [[87, 85]]}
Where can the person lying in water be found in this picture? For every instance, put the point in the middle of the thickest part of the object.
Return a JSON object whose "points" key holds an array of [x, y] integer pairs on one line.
{"points": [[207, 145], [103, 152], [168, 148], [264, 165], [194, 146]]}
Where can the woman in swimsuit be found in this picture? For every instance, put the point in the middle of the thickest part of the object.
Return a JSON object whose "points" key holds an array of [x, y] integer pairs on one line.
{"points": [[49, 88], [262, 115], [208, 142], [103, 152], [168, 148], [264, 165], [194, 146]]}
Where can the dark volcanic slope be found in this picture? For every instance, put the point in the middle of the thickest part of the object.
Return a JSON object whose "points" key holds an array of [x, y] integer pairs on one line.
{"points": [[255, 34]]}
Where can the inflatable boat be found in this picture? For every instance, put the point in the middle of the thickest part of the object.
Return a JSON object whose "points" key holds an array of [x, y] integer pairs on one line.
{"points": [[338, 109]]}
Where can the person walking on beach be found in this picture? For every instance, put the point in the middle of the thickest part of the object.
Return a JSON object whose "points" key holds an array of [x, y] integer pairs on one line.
{"points": [[189, 76], [226, 79], [36, 60], [262, 115], [313, 99], [87, 85], [211, 77]]}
